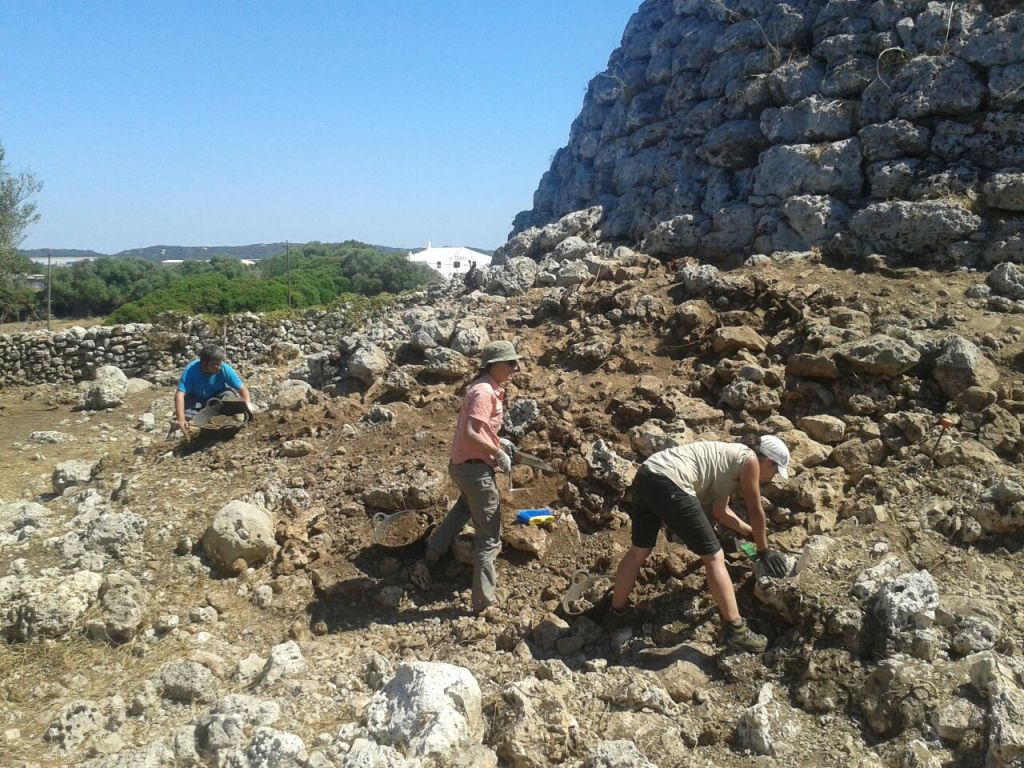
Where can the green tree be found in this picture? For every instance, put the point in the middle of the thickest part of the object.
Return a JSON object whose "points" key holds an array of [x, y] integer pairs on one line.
{"points": [[17, 213]]}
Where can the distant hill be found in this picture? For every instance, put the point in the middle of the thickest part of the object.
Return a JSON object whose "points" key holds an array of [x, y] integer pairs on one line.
{"points": [[183, 252]]}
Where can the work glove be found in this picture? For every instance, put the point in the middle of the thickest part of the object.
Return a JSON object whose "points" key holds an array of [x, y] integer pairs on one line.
{"points": [[774, 563], [502, 461], [508, 447]]}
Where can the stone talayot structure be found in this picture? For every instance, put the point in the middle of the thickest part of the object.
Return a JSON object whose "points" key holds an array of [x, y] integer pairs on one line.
{"points": [[725, 127]]}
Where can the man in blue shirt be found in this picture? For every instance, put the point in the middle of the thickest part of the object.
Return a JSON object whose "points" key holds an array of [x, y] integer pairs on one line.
{"points": [[207, 377]]}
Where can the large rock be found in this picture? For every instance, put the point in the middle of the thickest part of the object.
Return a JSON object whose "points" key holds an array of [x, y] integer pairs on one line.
{"points": [[608, 467], [31, 608], [1005, 190], [107, 391], [239, 530], [71, 473], [428, 709], [767, 727], [815, 218], [75, 723], [962, 365], [730, 339], [368, 363], [122, 604], [879, 355], [617, 754], [816, 169], [1007, 280], [913, 229], [186, 681], [1001, 507], [901, 606]]}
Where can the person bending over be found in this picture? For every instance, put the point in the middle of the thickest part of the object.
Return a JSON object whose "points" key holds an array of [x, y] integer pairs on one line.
{"points": [[670, 488]]}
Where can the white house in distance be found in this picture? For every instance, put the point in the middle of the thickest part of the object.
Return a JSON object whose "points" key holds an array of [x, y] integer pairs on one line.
{"points": [[450, 262]]}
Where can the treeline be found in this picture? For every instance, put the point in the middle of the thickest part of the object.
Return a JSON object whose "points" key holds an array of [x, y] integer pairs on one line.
{"points": [[134, 290]]}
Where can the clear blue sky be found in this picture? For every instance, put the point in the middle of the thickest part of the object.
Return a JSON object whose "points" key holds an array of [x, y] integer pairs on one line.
{"points": [[227, 123]]}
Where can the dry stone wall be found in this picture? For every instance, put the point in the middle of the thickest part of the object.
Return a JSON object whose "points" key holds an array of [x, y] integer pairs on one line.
{"points": [[722, 127], [149, 350]]}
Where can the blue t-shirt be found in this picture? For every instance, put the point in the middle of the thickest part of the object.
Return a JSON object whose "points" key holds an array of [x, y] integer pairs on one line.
{"points": [[201, 386]]}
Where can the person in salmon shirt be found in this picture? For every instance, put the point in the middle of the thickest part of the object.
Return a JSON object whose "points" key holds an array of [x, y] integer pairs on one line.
{"points": [[477, 454]]}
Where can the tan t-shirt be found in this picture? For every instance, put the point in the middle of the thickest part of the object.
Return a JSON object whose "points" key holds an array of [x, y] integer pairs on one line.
{"points": [[709, 470]]}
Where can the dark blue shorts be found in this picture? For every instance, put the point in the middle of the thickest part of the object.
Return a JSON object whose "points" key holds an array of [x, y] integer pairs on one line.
{"points": [[657, 502]]}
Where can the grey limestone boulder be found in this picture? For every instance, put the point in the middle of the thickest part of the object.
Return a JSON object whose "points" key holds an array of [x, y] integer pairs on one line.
{"points": [[904, 604], [285, 660], [291, 395], [608, 467], [447, 364], [768, 726], [513, 278], [879, 355], [1005, 189], [1002, 507], [50, 438], [239, 530], [937, 85], [186, 681], [619, 753], [812, 119], [914, 229], [271, 748], [469, 338], [22, 520], [1004, 86], [74, 724], [368, 363], [122, 602], [108, 389], [427, 709], [961, 365], [815, 218], [45, 607], [998, 43], [893, 139], [1007, 280], [823, 169], [72, 473], [735, 144]]}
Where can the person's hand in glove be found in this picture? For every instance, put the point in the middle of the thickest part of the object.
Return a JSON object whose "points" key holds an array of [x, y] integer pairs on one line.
{"points": [[502, 461], [508, 447], [774, 563]]}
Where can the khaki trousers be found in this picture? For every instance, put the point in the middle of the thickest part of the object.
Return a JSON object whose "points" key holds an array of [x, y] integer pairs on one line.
{"points": [[478, 501]]}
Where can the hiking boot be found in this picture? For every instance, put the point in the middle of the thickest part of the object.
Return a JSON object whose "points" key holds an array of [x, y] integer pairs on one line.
{"points": [[599, 610], [615, 620], [742, 639]]}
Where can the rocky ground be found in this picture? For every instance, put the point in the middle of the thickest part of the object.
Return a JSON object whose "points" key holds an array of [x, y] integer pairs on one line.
{"points": [[225, 602]]}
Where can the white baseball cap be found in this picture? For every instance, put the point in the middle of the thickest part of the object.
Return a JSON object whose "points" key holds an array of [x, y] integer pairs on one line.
{"points": [[776, 450]]}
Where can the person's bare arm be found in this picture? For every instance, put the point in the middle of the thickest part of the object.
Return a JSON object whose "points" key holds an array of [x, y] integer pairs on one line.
{"points": [[179, 411], [244, 392], [724, 514], [750, 476]]}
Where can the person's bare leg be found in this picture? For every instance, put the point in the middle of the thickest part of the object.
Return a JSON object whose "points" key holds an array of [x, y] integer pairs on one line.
{"points": [[625, 576], [720, 586]]}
